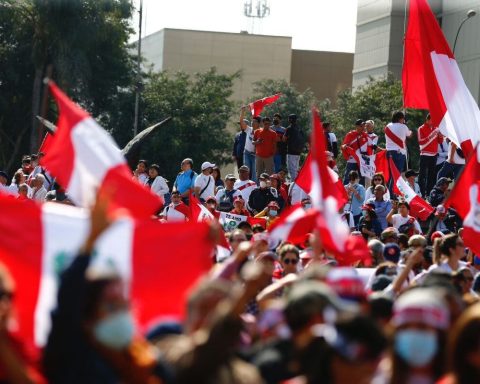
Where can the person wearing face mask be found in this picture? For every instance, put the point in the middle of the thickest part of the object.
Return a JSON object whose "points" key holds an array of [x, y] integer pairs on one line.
{"points": [[420, 319], [271, 212], [93, 338], [261, 196], [177, 210]]}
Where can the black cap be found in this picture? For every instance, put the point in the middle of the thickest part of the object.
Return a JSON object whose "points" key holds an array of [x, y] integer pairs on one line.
{"points": [[264, 176], [292, 117], [359, 122], [4, 174], [411, 173], [443, 180]]}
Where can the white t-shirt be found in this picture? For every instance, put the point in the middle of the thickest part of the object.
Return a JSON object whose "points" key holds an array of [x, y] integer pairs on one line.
{"points": [[202, 181], [398, 220], [248, 140], [332, 137], [221, 193], [159, 186], [456, 159], [171, 214], [245, 191], [370, 195], [402, 132], [39, 194], [373, 138]]}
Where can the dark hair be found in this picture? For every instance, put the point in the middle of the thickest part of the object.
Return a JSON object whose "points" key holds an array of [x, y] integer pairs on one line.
{"points": [[266, 118], [156, 167], [288, 248], [93, 294], [378, 174], [175, 193], [257, 228], [326, 125], [277, 115], [405, 203], [219, 175], [244, 224], [428, 117], [443, 245], [258, 119], [144, 162], [403, 240], [397, 116], [353, 175]]}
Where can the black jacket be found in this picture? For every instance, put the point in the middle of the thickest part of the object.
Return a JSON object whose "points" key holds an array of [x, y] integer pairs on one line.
{"points": [[259, 198]]}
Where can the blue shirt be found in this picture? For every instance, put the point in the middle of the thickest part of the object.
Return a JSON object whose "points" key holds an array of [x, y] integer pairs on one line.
{"points": [[382, 208], [357, 203], [185, 180]]}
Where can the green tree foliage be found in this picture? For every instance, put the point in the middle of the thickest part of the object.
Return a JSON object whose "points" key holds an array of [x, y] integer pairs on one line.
{"points": [[291, 101], [200, 107], [85, 41], [376, 101]]}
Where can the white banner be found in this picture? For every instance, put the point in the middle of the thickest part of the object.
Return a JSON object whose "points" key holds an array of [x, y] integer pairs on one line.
{"points": [[367, 166], [230, 221]]}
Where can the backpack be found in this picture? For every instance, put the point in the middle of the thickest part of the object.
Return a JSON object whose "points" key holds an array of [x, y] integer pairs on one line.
{"points": [[225, 203], [296, 140]]}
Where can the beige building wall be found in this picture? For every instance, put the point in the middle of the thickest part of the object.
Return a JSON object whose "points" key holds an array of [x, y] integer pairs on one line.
{"points": [[256, 56], [325, 73]]}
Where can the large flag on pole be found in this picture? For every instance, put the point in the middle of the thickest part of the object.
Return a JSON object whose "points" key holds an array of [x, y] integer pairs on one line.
{"points": [[432, 80], [83, 158], [418, 207], [257, 106], [39, 242]]}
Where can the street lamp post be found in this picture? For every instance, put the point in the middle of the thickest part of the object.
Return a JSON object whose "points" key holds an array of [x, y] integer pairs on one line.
{"points": [[471, 13]]}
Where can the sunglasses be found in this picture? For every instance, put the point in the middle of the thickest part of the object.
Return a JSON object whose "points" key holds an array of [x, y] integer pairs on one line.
{"points": [[6, 295], [288, 261], [376, 179]]}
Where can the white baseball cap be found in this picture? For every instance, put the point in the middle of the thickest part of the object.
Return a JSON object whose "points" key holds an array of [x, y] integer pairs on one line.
{"points": [[206, 165]]}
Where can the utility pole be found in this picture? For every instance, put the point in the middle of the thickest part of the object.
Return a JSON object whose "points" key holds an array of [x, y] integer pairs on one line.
{"points": [[138, 83]]}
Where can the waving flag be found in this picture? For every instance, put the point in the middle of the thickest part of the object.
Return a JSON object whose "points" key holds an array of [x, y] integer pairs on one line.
{"points": [[293, 224], [39, 242], [418, 207], [381, 165], [471, 224], [432, 80], [198, 212], [257, 106], [84, 158]]}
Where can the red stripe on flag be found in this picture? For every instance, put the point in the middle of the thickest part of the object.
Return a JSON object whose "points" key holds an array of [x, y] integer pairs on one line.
{"points": [[21, 252]]}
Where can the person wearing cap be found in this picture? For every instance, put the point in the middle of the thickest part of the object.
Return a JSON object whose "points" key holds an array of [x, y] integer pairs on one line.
{"points": [[185, 180], [211, 205], [11, 189], [429, 139], [421, 319], [226, 196], [401, 220], [177, 210], [438, 193], [239, 143], [249, 150], [280, 158], [355, 142], [270, 212], [205, 183], [239, 207], [156, 183], [396, 134], [295, 139], [265, 141], [410, 175], [444, 220], [244, 185], [368, 224], [261, 196], [454, 164]]}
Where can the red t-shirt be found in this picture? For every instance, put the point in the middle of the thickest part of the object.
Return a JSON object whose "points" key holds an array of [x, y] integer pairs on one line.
{"points": [[268, 145]]}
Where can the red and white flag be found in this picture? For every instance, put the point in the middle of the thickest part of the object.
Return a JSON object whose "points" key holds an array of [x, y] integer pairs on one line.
{"points": [[419, 208], [83, 158], [432, 80], [381, 165], [39, 242], [257, 106], [198, 212], [293, 225], [471, 223], [304, 181]]}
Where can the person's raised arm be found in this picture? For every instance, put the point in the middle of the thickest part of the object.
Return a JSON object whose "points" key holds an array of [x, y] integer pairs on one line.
{"points": [[393, 211], [243, 125]]}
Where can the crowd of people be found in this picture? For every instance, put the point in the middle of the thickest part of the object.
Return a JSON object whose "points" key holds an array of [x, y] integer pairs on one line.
{"points": [[276, 312]]}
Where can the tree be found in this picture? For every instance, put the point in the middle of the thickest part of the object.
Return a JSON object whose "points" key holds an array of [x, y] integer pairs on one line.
{"points": [[200, 107], [85, 42], [291, 101], [376, 100]]}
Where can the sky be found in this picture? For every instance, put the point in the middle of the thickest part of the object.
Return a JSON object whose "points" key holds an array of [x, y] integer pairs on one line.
{"points": [[323, 25]]}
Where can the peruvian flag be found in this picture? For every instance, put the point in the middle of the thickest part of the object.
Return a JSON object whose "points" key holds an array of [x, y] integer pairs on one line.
{"points": [[293, 225], [459, 197], [84, 158], [381, 164], [39, 242], [257, 106], [418, 207], [432, 80], [198, 212], [304, 181]]}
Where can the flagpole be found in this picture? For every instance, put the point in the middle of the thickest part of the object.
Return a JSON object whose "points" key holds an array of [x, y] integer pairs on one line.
{"points": [[44, 107], [137, 85], [403, 55]]}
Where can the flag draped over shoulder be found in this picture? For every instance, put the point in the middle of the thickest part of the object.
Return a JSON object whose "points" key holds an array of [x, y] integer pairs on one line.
{"points": [[84, 159], [418, 207], [39, 242], [432, 80], [257, 106]]}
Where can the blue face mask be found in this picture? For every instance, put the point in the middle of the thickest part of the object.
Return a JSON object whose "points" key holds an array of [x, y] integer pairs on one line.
{"points": [[115, 331], [416, 347], [272, 212]]}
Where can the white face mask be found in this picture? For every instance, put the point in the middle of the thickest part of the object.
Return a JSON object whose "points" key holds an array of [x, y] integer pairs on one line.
{"points": [[263, 184], [115, 331]]}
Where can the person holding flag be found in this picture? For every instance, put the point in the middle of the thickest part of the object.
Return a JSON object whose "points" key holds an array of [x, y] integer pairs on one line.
{"points": [[396, 134], [355, 144], [429, 139]]}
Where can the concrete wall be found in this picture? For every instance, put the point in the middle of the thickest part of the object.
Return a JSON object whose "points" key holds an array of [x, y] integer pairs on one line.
{"points": [[256, 56], [325, 73]]}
